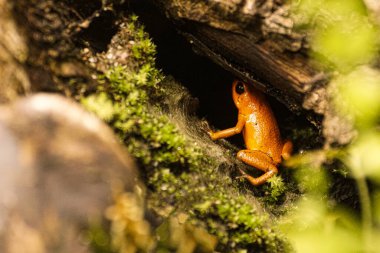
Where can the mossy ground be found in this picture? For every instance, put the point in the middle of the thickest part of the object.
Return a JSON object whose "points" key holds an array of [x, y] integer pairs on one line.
{"points": [[184, 171]]}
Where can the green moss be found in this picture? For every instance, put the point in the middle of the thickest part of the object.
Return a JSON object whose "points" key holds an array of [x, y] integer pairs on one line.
{"points": [[181, 175], [101, 105], [99, 239], [237, 224], [274, 189]]}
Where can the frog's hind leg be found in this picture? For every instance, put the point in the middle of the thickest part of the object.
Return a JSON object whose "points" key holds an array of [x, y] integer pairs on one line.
{"points": [[287, 150], [259, 160]]}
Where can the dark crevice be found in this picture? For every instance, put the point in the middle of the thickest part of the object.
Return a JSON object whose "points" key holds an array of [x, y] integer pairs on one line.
{"points": [[84, 10], [100, 31], [205, 80]]}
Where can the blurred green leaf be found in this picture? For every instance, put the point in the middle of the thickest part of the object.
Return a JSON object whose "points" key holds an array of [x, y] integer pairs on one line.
{"points": [[345, 44], [358, 94], [313, 228], [364, 158]]}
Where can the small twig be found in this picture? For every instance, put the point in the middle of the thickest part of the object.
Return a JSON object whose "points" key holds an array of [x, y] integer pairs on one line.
{"points": [[365, 204]]}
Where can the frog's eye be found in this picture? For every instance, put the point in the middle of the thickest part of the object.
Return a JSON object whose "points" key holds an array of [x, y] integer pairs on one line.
{"points": [[239, 88]]}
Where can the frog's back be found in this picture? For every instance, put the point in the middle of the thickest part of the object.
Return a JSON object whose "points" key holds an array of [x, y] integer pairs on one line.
{"points": [[261, 131]]}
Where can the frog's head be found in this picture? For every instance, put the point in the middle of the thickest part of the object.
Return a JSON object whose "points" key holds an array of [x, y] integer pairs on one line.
{"points": [[241, 93]]}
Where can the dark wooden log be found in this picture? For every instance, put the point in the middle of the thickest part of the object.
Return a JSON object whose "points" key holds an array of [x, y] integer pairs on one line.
{"points": [[257, 42]]}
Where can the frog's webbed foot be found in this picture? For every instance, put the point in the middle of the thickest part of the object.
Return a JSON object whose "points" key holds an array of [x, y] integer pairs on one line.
{"points": [[259, 180], [204, 126], [251, 179], [243, 174], [259, 160]]}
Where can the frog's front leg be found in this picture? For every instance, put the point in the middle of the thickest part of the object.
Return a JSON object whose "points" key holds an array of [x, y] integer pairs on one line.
{"points": [[229, 131], [259, 160]]}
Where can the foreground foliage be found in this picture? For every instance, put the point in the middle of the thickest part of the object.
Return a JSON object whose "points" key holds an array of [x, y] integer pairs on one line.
{"points": [[344, 40]]}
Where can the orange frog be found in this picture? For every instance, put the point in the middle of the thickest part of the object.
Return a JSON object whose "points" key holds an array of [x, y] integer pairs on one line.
{"points": [[265, 148]]}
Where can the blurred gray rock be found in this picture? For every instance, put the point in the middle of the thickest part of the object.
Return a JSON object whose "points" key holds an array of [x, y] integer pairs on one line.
{"points": [[60, 168]]}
